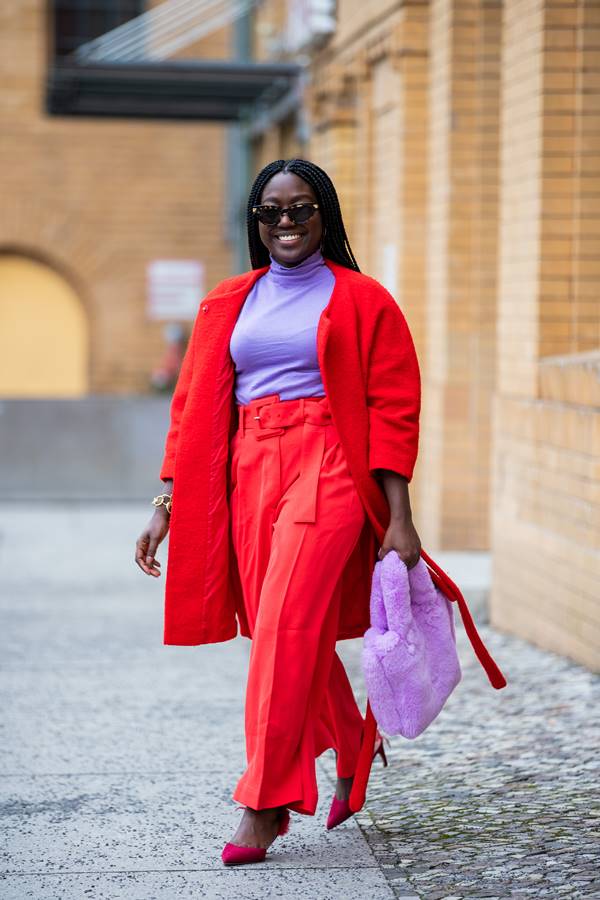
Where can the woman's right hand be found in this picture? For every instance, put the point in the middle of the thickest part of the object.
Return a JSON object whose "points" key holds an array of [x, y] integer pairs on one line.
{"points": [[148, 541]]}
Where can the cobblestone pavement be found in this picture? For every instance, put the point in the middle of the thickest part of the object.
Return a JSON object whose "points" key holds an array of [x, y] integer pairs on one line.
{"points": [[499, 798]]}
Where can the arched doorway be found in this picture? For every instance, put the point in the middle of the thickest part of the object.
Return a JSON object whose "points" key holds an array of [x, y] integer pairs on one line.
{"points": [[44, 332]]}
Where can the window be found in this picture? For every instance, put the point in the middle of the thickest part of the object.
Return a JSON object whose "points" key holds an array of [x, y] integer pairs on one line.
{"points": [[73, 22]]}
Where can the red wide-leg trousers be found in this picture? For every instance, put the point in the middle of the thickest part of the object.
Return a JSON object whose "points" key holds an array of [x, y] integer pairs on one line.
{"points": [[296, 517]]}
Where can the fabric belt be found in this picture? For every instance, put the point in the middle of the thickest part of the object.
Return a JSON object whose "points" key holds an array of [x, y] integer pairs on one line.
{"points": [[268, 417]]}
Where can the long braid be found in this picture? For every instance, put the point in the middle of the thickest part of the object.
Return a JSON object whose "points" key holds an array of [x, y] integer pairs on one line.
{"points": [[336, 245]]}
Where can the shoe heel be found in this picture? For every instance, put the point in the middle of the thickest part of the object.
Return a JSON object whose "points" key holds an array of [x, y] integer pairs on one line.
{"points": [[284, 823], [234, 855], [381, 753]]}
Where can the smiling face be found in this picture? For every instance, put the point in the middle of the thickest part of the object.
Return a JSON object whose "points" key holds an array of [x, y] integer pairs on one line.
{"points": [[287, 243]]}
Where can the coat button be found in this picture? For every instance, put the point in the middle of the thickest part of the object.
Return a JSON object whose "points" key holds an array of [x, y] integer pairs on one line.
{"points": [[205, 308]]}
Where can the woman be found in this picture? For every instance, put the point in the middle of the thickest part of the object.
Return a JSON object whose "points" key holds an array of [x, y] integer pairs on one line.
{"points": [[293, 437]]}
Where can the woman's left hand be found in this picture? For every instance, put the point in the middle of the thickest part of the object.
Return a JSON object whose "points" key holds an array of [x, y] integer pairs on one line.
{"points": [[402, 537]]}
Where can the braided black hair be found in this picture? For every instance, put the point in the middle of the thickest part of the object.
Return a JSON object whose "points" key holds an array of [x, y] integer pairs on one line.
{"points": [[335, 244]]}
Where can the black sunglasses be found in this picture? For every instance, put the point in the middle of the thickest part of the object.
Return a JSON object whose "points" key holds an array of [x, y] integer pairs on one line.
{"points": [[299, 213]]}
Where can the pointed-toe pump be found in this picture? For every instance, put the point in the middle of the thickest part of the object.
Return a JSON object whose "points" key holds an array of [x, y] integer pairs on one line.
{"points": [[340, 809], [234, 855]]}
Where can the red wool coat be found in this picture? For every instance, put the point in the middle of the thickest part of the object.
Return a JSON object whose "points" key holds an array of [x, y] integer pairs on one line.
{"points": [[370, 373]]}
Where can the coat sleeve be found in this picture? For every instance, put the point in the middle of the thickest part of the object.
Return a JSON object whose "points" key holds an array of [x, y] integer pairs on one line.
{"points": [[178, 404], [393, 393]]}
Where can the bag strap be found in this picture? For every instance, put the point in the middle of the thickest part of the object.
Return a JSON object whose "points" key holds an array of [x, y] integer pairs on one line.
{"points": [[493, 672], [451, 590]]}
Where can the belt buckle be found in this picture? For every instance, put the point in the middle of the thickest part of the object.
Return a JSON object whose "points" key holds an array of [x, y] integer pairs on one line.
{"points": [[275, 430], [258, 408]]}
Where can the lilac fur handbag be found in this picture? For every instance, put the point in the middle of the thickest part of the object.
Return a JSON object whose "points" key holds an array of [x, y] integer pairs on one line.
{"points": [[409, 653]]}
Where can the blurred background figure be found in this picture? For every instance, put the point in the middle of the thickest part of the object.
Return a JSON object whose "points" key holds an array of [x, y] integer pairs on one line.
{"points": [[164, 376]]}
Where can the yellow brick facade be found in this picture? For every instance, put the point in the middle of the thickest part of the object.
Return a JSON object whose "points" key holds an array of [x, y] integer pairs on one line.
{"points": [[97, 200], [546, 444], [464, 139], [461, 250]]}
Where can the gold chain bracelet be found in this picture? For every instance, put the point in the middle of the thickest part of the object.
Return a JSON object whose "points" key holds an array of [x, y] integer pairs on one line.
{"points": [[165, 500]]}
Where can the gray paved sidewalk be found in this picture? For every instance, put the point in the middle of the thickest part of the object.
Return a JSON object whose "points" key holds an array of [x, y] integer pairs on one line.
{"points": [[118, 755]]}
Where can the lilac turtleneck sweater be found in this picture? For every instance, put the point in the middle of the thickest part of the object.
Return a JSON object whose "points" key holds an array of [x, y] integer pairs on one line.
{"points": [[274, 341]]}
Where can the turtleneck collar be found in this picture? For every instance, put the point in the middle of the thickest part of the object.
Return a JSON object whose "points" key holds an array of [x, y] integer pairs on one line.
{"points": [[288, 275]]}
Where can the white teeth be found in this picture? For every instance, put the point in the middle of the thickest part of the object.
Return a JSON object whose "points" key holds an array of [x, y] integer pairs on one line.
{"points": [[288, 237]]}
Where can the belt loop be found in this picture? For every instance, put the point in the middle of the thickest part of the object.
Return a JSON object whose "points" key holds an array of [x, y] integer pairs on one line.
{"points": [[301, 409], [242, 420]]}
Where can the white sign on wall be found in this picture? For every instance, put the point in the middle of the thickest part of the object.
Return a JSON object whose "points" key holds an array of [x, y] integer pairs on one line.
{"points": [[174, 288]]}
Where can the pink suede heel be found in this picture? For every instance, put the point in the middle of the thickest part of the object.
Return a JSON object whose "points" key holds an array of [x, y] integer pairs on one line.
{"points": [[340, 809], [234, 855]]}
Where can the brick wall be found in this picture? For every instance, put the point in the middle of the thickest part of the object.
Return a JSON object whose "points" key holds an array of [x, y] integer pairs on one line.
{"points": [[479, 143], [546, 510], [99, 199], [464, 41], [546, 470]]}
